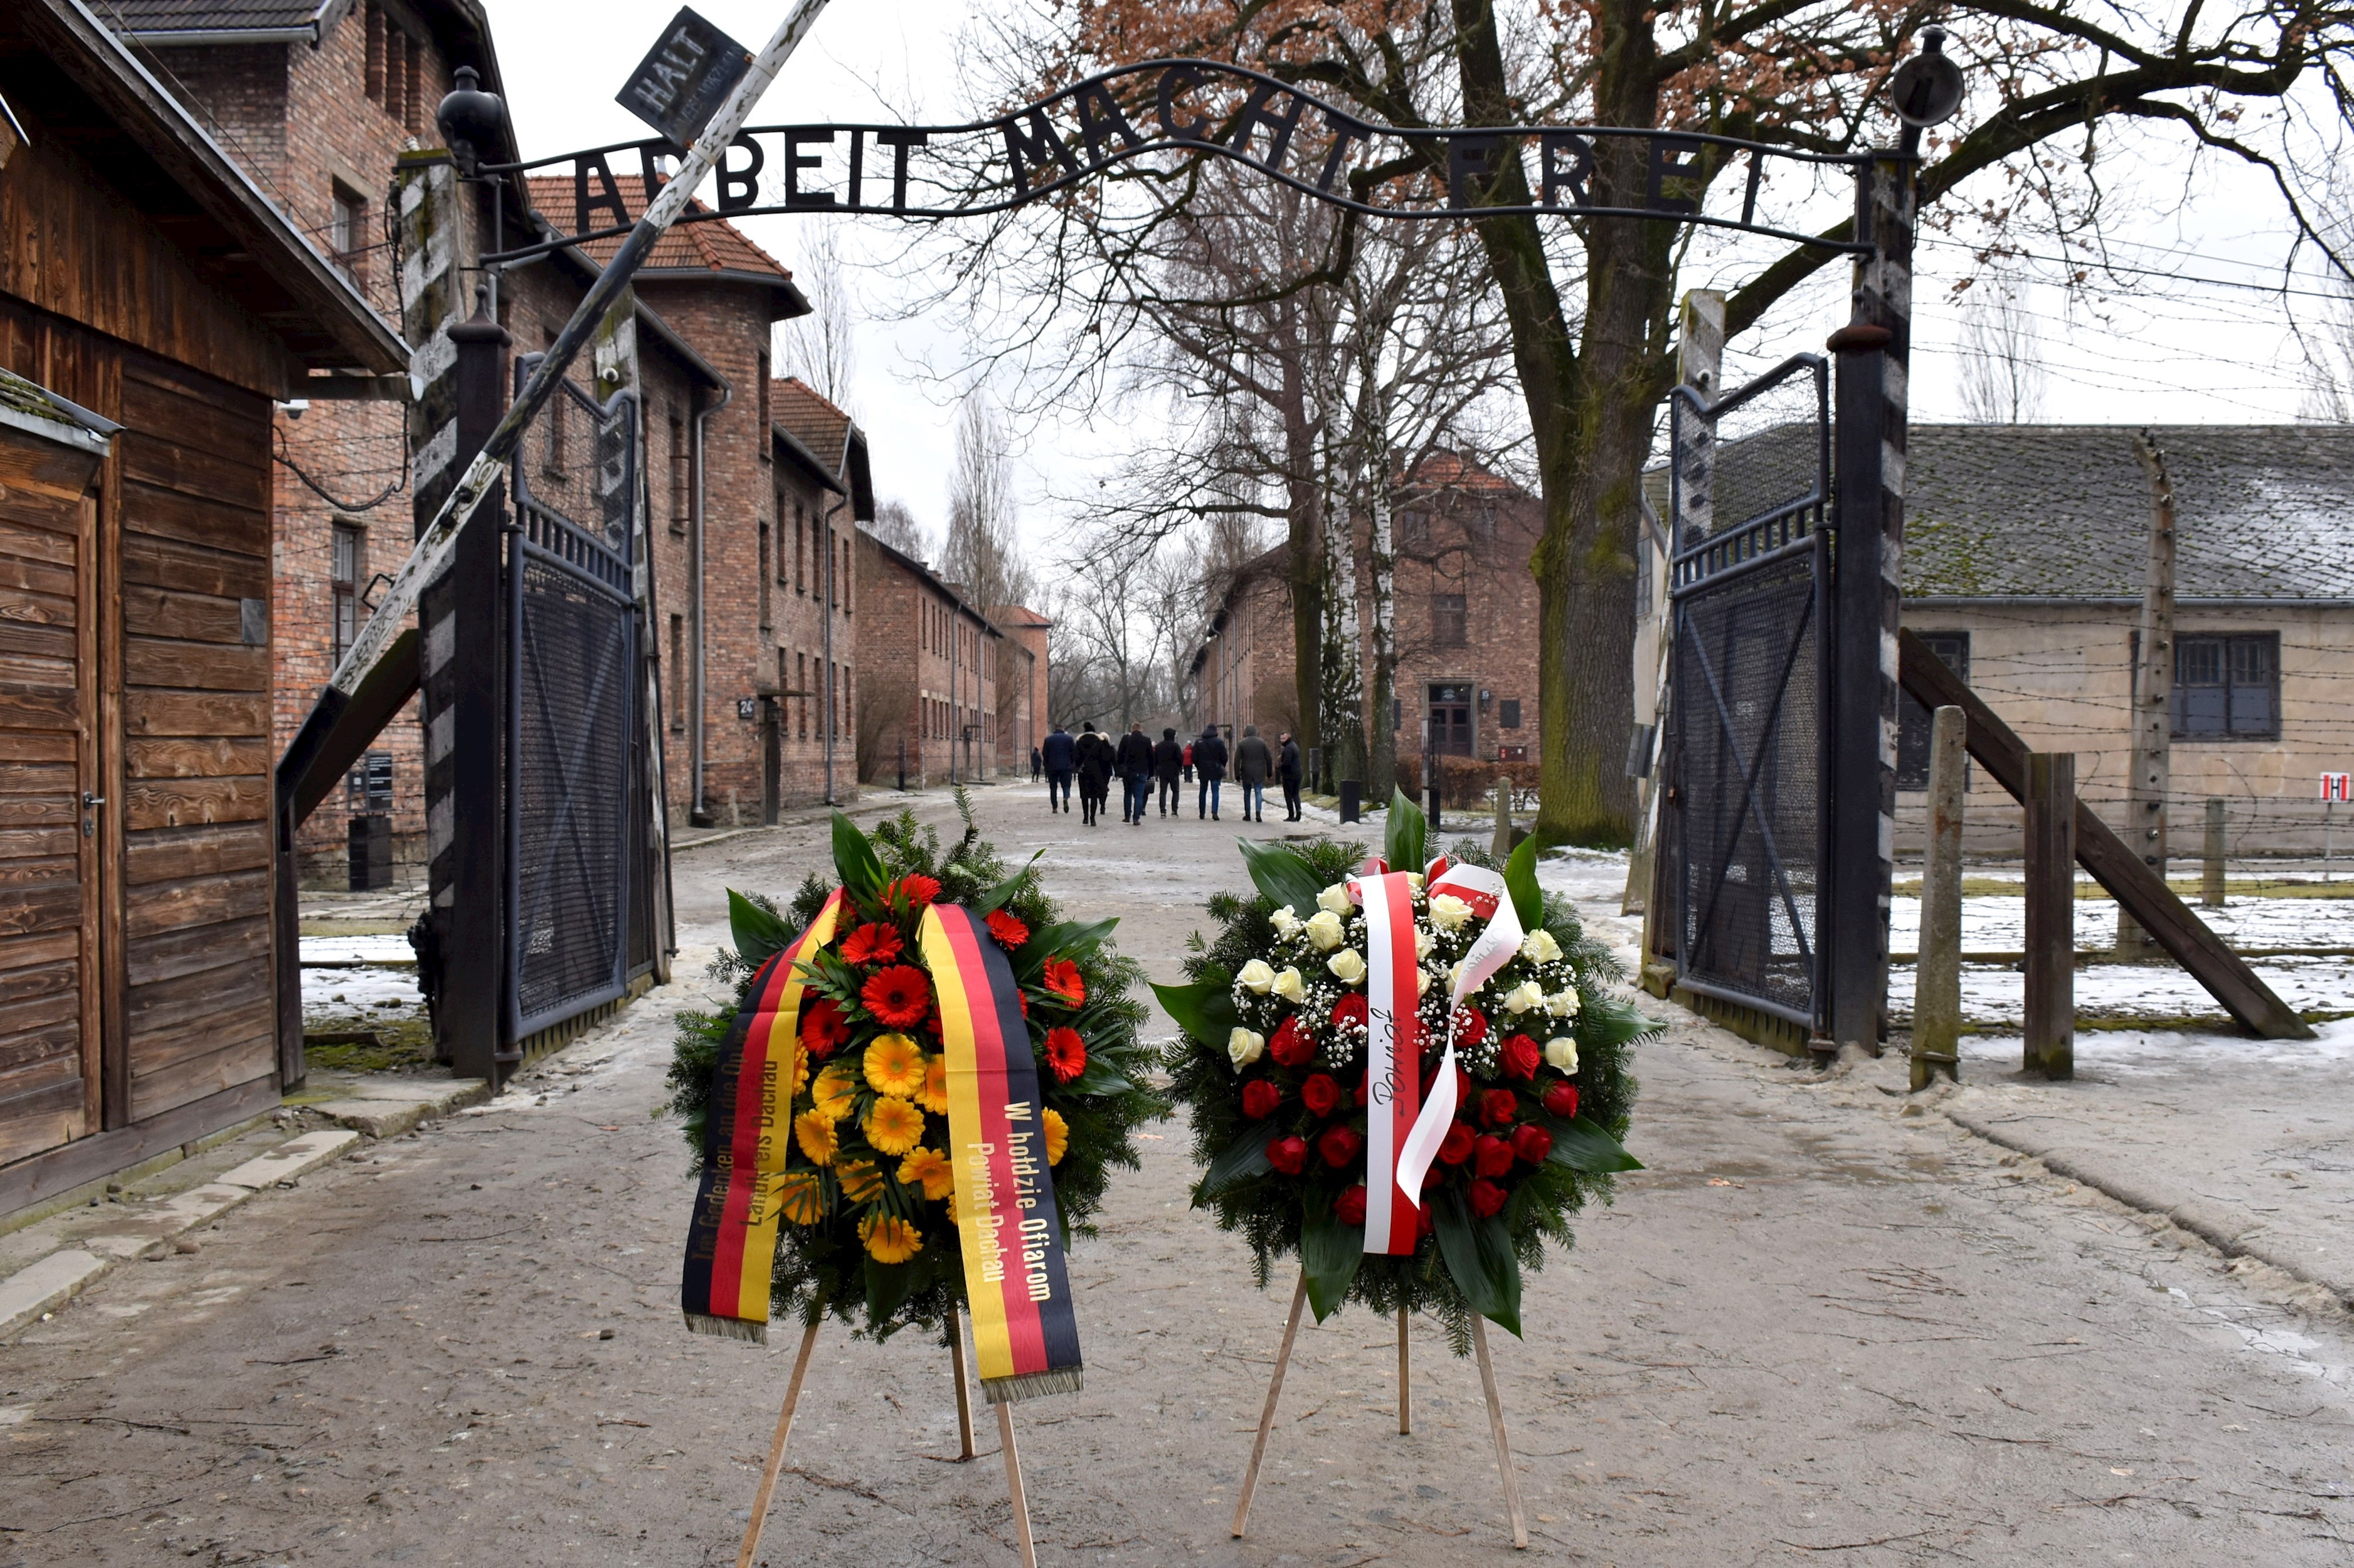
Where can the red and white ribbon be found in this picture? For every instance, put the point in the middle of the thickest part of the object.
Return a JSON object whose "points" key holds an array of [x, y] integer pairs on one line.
{"points": [[1393, 1057], [1484, 891]]}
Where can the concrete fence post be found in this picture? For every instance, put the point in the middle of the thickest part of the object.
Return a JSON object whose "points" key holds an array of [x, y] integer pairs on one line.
{"points": [[2212, 890], [2051, 913], [1937, 972]]}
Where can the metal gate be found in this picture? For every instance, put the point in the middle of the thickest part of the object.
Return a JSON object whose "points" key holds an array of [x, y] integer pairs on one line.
{"points": [[1749, 757], [575, 780]]}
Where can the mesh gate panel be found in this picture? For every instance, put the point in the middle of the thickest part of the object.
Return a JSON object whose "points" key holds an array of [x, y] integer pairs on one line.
{"points": [[572, 742], [1748, 711]]}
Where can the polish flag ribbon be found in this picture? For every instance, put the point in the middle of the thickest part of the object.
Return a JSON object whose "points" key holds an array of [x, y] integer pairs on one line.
{"points": [[1484, 891], [1393, 1056]]}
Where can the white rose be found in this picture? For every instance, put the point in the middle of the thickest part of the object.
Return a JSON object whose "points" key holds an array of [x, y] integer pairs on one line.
{"points": [[1347, 966], [1421, 981], [1523, 996], [1539, 948], [1414, 880], [1561, 1052], [1334, 898], [1324, 930], [1454, 974], [1562, 1004], [1244, 1048], [1286, 922], [1423, 942], [1256, 976], [1287, 985], [1448, 912]]}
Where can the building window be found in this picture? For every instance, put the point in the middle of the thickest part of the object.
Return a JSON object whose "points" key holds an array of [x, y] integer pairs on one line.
{"points": [[765, 619], [348, 227], [350, 557], [412, 82], [1450, 620], [849, 573], [767, 440], [1952, 649], [2227, 688], [1414, 531], [678, 674], [800, 690], [1508, 713], [681, 479], [800, 532]]}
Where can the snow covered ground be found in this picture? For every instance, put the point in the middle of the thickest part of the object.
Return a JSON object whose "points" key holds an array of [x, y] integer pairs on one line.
{"points": [[340, 992], [1994, 924]]}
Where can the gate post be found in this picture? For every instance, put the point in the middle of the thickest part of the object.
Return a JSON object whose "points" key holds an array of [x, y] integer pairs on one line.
{"points": [[464, 668], [1873, 351], [2050, 1023]]}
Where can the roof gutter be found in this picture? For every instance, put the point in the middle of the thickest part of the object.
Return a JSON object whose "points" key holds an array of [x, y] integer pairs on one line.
{"points": [[2110, 601], [166, 38]]}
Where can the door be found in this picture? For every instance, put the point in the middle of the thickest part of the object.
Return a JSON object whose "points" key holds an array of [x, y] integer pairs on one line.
{"points": [[1450, 721], [49, 984], [771, 759]]}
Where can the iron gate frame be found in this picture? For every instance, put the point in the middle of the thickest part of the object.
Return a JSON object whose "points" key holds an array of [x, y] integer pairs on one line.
{"points": [[544, 536], [1793, 528]]}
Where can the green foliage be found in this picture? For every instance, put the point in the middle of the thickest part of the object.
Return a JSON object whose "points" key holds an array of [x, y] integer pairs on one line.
{"points": [[1279, 872], [1274, 1214], [1408, 835], [827, 1263]]}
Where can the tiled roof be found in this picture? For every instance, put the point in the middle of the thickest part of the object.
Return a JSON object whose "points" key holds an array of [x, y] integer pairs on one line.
{"points": [[711, 245], [810, 420], [2063, 511], [207, 16], [1445, 470]]}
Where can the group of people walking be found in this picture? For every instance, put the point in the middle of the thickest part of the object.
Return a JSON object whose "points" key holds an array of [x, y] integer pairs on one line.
{"points": [[1093, 759]]}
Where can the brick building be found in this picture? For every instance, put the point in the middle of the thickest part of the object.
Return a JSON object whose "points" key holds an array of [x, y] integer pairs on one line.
{"points": [[808, 695], [1021, 721], [1466, 618], [927, 710]]}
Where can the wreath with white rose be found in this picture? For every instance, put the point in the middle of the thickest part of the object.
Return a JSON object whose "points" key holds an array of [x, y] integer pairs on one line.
{"points": [[1272, 1065]]}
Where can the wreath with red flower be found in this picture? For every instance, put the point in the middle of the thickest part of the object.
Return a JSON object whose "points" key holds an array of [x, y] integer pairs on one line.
{"points": [[1271, 1066], [869, 1226]]}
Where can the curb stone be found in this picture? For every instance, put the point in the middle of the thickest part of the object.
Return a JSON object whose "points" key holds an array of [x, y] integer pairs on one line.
{"points": [[46, 1286], [389, 1115]]}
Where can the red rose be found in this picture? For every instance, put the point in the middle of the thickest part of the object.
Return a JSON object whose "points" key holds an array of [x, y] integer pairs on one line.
{"points": [[1531, 1143], [1349, 1008], [1498, 1106], [1561, 1099], [1320, 1094], [1361, 1091], [1491, 1155], [1430, 1176], [1290, 1047], [1063, 979], [1260, 1099], [1520, 1057], [1289, 1155], [1455, 1147], [1485, 1198], [872, 943], [1339, 1146], [1349, 1208], [1067, 1054], [1471, 1028], [916, 891], [823, 1029], [1422, 1223], [898, 996], [1009, 933]]}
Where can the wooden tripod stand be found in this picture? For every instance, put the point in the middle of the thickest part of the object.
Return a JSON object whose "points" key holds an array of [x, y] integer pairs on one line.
{"points": [[776, 1464], [1405, 1408]]}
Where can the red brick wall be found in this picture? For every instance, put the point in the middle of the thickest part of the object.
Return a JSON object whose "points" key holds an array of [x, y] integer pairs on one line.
{"points": [[930, 666]]}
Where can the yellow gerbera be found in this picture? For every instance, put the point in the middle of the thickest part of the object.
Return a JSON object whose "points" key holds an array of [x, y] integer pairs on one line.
{"points": [[837, 1090], [932, 1169], [889, 1240], [1059, 1136], [934, 1096], [813, 1129], [894, 1066], [860, 1179], [797, 1067], [892, 1126], [799, 1198]]}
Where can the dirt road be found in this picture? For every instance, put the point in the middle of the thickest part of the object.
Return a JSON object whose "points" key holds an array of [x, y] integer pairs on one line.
{"points": [[1816, 1329]]}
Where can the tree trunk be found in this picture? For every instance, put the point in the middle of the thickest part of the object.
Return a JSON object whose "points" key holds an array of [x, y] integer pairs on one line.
{"points": [[1306, 574], [1381, 768]]}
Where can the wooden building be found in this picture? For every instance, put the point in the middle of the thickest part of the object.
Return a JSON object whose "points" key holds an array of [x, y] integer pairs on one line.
{"points": [[148, 282]]}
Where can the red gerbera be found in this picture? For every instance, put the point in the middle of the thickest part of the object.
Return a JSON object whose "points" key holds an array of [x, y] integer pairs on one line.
{"points": [[1520, 1057], [1290, 1046], [1340, 1145], [1289, 1155], [1009, 933], [1485, 1198], [1491, 1155], [1063, 979], [1261, 1099], [1320, 1094], [823, 1029], [913, 891], [1067, 1054], [874, 943], [1349, 1208], [1562, 1100], [898, 996], [1349, 1008]]}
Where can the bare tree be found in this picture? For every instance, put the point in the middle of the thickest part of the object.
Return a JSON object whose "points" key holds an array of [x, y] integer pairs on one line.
{"points": [[821, 347], [896, 526], [2002, 358], [981, 552]]}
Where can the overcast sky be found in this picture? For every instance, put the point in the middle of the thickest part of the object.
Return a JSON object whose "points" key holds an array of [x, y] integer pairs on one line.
{"points": [[2191, 338]]}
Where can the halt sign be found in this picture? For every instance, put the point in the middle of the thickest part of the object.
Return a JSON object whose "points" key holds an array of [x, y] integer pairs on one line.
{"points": [[684, 78], [2338, 786]]}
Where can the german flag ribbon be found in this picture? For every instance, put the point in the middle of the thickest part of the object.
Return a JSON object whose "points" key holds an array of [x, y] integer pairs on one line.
{"points": [[731, 1241], [1024, 1325]]}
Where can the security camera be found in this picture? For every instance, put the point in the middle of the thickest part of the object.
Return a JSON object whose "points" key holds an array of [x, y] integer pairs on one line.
{"points": [[296, 407]]}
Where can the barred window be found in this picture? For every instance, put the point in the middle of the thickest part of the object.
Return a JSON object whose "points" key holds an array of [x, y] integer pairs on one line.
{"points": [[350, 557], [1450, 620], [2227, 688], [1953, 649]]}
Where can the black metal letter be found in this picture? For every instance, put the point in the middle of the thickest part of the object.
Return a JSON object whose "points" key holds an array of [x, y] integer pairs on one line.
{"points": [[1041, 147], [900, 141], [795, 140], [1346, 133], [1675, 160], [1554, 175], [1100, 120], [608, 196], [740, 188], [1470, 158], [1279, 127], [1174, 81]]}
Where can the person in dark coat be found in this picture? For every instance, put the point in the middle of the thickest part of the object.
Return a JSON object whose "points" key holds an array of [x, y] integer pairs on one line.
{"points": [[1094, 753], [1134, 761], [1168, 762], [1210, 768], [1288, 773], [1253, 763], [1060, 754], [1036, 766]]}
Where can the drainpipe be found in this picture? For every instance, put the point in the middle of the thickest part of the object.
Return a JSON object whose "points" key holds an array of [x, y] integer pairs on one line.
{"points": [[699, 813], [833, 697]]}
